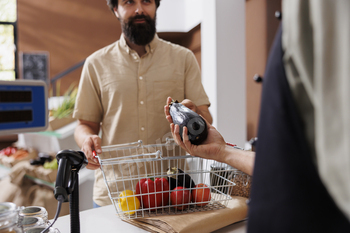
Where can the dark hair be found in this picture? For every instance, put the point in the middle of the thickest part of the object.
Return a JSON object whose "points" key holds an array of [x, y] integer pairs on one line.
{"points": [[114, 3]]}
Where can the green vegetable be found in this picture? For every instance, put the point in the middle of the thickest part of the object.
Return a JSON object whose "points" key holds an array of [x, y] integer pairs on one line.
{"points": [[67, 106], [51, 165]]}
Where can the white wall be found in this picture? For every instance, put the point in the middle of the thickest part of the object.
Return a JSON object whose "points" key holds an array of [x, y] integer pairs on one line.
{"points": [[209, 56], [224, 66], [179, 15], [223, 56]]}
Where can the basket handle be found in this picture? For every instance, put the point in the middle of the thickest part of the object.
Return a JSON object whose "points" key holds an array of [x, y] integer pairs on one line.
{"points": [[158, 155], [131, 144]]}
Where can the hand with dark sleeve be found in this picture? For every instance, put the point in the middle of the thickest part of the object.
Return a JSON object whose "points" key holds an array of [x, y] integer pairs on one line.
{"points": [[214, 147]]}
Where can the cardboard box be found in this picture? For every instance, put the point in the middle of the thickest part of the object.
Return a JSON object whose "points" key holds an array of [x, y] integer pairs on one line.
{"points": [[55, 123]]}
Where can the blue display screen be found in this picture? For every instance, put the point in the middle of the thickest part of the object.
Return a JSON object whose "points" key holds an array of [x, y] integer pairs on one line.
{"points": [[22, 107]]}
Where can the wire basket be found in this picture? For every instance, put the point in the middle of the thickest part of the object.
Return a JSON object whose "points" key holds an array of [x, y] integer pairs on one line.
{"points": [[162, 179]]}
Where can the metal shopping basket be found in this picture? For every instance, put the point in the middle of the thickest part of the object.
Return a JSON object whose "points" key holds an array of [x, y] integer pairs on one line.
{"points": [[126, 166]]}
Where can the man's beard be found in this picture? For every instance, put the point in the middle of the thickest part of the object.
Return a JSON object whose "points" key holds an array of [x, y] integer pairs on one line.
{"points": [[140, 33]]}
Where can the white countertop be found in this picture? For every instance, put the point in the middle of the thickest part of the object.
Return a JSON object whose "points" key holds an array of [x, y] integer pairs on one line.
{"points": [[106, 219]]}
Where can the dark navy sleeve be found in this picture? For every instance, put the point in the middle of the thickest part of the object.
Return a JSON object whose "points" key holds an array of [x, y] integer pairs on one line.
{"points": [[287, 193]]}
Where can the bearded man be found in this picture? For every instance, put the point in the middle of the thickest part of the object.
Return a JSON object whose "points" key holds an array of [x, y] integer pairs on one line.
{"points": [[124, 86]]}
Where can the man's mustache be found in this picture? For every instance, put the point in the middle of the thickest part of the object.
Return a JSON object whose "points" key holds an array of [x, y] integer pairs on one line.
{"points": [[137, 17]]}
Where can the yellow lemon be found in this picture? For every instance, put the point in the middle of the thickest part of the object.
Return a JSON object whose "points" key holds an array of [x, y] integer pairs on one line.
{"points": [[128, 202]]}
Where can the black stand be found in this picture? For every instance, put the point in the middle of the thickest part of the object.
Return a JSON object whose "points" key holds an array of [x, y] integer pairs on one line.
{"points": [[67, 183], [74, 205]]}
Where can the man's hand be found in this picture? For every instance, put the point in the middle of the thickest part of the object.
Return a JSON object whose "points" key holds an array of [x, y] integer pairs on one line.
{"points": [[86, 137], [188, 103], [201, 110], [90, 144], [166, 110]]}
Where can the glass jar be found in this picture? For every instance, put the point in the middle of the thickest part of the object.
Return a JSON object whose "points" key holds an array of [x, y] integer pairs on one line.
{"points": [[29, 221], [34, 211], [242, 183], [40, 229], [9, 218]]}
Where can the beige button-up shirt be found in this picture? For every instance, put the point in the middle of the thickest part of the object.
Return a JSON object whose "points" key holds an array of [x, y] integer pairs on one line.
{"points": [[127, 93]]}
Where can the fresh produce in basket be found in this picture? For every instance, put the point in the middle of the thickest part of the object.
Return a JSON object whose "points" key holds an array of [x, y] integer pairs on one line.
{"points": [[180, 197], [128, 202], [177, 177], [201, 193], [183, 116], [160, 189]]}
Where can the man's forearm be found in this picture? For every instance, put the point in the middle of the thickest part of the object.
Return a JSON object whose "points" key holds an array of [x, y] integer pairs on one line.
{"points": [[82, 131]]}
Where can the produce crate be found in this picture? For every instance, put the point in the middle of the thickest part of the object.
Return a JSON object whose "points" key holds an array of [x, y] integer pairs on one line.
{"points": [[126, 167]]}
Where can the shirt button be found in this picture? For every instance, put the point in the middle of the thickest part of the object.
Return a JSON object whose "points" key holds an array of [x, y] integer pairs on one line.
{"points": [[142, 128], [141, 102], [140, 77]]}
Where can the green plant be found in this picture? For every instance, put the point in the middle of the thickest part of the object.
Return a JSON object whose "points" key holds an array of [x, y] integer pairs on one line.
{"points": [[67, 106]]}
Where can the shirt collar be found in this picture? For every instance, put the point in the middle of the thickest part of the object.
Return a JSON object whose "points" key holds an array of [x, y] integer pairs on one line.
{"points": [[149, 47]]}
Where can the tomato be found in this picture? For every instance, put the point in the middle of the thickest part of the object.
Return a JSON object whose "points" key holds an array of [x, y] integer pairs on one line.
{"points": [[180, 196], [201, 194], [157, 190]]}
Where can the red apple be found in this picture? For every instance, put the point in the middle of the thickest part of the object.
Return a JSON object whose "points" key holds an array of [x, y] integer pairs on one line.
{"points": [[201, 194], [179, 196]]}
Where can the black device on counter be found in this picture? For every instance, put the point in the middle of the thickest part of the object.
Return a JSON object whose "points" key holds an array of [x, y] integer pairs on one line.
{"points": [[69, 164], [67, 184], [183, 116]]}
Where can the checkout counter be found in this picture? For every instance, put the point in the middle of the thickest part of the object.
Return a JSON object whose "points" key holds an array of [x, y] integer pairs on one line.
{"points": [[105, 219], [31, 100]]}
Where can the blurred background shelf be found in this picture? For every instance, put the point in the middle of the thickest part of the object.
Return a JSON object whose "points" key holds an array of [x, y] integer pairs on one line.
{"points": [[50, 141], [4, 171], [86, 180]]}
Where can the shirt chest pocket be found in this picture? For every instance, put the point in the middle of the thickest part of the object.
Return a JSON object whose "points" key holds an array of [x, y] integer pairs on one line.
{"points": [[119, 92], [162, 89]]}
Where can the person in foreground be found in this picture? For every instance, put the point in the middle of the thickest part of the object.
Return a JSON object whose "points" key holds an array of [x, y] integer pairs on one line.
{"points": [[214, 147], [301, 169]]}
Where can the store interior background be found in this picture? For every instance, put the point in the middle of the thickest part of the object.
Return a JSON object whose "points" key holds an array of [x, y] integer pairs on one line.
{"points": [[230, 39]]}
